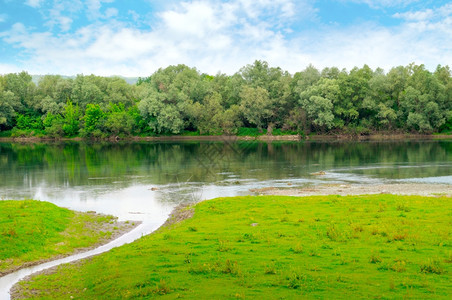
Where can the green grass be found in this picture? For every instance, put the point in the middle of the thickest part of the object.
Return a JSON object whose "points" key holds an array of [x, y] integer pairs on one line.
{"points": [[245, 131], [32, 231], [5, 133], [268, 247]]}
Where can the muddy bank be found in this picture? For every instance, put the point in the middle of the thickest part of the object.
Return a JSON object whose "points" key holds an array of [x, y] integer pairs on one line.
{"points": [[357, 189]]}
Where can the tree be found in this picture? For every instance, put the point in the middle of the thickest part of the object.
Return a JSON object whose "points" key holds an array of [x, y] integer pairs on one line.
{"points": [[29, 122], [352, 91], [53, 125], [377, 106], [230, 120], [52, 93], [255, 105], [205, 116], [22, 86], [317, 103], [165, 99], [86, 91], [331, 73], [139, 124], [424, 104], [306, 78], [93, 119], [118, 120], [71, 119], [276, 82], [8, 105]]}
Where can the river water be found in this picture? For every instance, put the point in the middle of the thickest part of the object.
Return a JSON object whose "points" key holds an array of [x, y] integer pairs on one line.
{"points": [[144, 181]]}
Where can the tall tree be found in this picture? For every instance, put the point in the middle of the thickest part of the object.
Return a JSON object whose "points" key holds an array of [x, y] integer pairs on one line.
{"points": [[317, 102], [256, 106], [167, 95]]}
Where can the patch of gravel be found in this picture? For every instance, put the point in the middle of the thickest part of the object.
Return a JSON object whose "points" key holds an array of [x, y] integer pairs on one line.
{"points": [[362, 189]]}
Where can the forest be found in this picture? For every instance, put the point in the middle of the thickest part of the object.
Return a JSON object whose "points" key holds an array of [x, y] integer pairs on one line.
{"points": [[258, 99]]}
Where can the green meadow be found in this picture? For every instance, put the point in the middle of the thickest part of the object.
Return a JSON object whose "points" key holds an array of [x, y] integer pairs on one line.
{"points": [[34, 231], [373, 246]]}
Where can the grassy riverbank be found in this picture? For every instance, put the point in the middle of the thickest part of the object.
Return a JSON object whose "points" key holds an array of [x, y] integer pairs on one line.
{"points": [[379, 246], [33, 231]]}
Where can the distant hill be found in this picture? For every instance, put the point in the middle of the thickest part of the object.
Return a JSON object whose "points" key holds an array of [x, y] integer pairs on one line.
{"points": [[129, 80]]}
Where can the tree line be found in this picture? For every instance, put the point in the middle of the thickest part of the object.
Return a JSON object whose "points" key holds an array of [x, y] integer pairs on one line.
{"points": [[256, 99]]}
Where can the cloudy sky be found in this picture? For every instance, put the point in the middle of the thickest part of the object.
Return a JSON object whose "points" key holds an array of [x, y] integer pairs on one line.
{"points": [[136, 37]]}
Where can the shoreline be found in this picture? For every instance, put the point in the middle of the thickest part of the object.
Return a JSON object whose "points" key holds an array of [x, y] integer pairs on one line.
{"points": [[420, 189], [260, 138]]}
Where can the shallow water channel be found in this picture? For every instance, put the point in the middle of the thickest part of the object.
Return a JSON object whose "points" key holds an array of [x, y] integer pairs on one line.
{"points": [[144, 181]]}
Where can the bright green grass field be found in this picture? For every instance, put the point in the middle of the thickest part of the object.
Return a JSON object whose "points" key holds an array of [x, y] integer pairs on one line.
{"points": [[268, 247], [32, 231]]}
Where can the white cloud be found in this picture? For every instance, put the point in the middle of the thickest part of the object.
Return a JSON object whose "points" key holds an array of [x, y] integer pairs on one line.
{"points": [[33, 3], [94, 7], [415, 16], [427, 14], [422, 38], [3, 17], [224, 36], [60, 14], [384, 3], [209, 35]]}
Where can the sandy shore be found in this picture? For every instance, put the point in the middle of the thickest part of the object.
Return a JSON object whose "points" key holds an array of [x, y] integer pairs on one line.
{"points": [[358, 189]]}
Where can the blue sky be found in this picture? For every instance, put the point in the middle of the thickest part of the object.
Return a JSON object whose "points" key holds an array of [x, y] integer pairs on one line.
{"points": [[136, 37]]}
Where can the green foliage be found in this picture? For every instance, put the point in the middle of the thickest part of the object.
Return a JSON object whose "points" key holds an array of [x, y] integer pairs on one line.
{"points": [[447, 127], [285, 132], [118, 121], [8, 107], [53, 125], [71, 120], [177, 99], [317, 102], [256, 106], [166, 98], [93, 120], [21, 85], [217, 253], [139, 124], [29, 122], [246, 131]]}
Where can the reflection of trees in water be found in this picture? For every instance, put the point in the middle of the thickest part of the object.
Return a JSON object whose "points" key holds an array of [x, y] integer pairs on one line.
{"points": [[75, 163]]}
